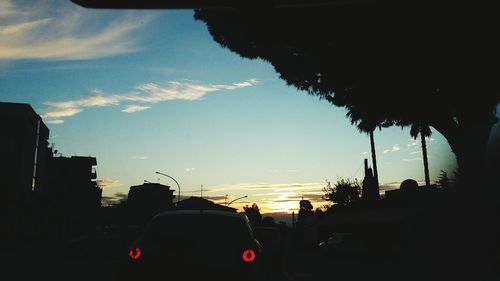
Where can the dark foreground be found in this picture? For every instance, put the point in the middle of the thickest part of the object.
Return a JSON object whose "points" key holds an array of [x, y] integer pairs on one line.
{"points": [[105, 257]]}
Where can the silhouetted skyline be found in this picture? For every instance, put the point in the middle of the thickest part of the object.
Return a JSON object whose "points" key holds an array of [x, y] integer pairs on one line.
{"points": [[227, 123], [102, 111]]}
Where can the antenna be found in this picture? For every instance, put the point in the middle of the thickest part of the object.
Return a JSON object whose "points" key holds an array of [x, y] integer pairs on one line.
{"points": [[201, 191]]}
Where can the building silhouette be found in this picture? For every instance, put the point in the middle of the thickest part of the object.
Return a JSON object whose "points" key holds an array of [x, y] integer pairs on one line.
{"points": [[24, 151], [40, 193], [146, 200], [70, 195], [370, 191]]}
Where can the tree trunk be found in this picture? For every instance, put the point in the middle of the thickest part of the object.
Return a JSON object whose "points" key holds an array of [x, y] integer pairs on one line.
{"points": [[471, 214], [468, 139], [374, 159], [470, 151], [426, 163]]}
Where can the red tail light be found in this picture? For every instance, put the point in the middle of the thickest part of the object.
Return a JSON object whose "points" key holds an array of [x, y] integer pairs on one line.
{"points": [[248, 255], [135, 254]]}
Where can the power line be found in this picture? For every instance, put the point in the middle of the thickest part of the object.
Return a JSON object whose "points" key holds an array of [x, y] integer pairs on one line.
{"points": [[357, 171]]}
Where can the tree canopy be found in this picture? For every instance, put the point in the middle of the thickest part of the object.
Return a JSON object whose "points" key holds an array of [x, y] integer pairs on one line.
{"points": [[253, 214], [343, 192], [434, 65]]}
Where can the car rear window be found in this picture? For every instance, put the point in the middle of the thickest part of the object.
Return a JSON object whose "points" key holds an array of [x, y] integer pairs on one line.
{"points": [[221, 230]]}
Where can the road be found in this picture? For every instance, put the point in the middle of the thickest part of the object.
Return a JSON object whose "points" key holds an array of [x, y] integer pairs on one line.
{"points": [[105, 258]]}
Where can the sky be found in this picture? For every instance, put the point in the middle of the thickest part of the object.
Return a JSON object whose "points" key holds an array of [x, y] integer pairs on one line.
{"points": [[146, 91]]}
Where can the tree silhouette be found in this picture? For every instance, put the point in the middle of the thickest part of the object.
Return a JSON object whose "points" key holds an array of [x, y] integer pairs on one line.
{"points": [[343, 192], [305, 207], [424, 132], [268, 221], [253, 214], [443, 180], [419, 65], [305, 210]]}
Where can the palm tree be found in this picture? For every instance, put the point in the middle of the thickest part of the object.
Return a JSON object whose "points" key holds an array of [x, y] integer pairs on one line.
{"points": [[425, 131], [368, 126]]}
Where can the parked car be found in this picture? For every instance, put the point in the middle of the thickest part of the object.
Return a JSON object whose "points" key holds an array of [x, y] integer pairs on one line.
{"points": [[343, 243], [197, 244], [272, 241]]}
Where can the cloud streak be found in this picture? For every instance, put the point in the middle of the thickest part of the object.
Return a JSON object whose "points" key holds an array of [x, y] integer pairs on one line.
{"points": [[149, 93], [113, 199], [394, 148], [135, 108], [395, 185], [140, 158], [55, 121], [416, 158], [65, 32], [270, 197], [270, 186], [107, 183]]}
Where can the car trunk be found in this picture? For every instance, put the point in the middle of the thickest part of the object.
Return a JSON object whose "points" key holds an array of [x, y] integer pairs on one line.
{"points": [[194, 243]]}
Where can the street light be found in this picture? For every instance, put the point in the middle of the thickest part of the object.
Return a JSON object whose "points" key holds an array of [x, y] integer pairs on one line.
{"points": [[236, 199], [178, 198]]}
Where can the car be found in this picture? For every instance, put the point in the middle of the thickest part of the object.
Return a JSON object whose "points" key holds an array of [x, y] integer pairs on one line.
{"points": [[194, 244], [342, 243], [274, 244]]}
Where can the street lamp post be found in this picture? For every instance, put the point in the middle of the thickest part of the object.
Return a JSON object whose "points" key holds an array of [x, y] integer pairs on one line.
{"points": [[236, 199], [178, 186]]}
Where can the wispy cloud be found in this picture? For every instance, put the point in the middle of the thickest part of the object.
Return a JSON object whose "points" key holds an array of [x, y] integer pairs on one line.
{"points": [[135, 108], [394, 148], [113, 199], [146, 93], [140, 157], [188, 170], [273, 197], [55, 121], [390, 185], [412, 159], [6, 8], [218, 198], [297, 197], [416, 158], [64, 31], [175, 90], [413, 142], [107, 183], [396, 184], [59, 112], [269, 186]]}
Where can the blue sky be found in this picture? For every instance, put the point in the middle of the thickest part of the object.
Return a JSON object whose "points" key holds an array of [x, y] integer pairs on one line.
{"points": [[147, 91]]}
